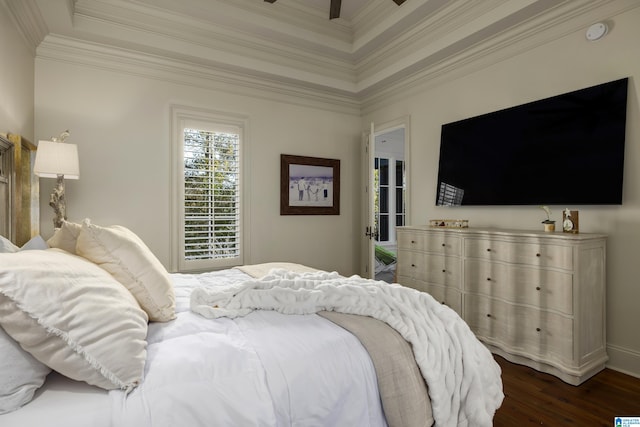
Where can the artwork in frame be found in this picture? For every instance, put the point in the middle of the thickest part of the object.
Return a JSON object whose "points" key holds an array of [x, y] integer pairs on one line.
{"points": [[309, 185]]}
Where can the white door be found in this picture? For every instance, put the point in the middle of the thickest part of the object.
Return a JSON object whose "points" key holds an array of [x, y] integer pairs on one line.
{"points": [[368, 232]]}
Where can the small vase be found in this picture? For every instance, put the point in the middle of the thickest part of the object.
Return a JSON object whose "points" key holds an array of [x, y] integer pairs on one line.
{"points": [[549, 227]]}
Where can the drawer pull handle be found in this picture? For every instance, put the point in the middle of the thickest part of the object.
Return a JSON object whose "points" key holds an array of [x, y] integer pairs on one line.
{"points": [[443, 303], [488, 314], [537, 288], [443, 245], [488, 279], [538, 329], [413, 265], [488, 249], [444, 271], [538, 255], [413, 241]]}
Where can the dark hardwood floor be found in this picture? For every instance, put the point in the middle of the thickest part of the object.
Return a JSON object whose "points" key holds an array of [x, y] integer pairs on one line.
{"points": [[533, 398]]}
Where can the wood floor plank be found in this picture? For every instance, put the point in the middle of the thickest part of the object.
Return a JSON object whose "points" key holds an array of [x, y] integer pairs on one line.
{"points": [[535, 398]]}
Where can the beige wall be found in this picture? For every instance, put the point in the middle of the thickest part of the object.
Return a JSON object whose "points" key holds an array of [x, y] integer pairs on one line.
{"points": [[563, 65], [16, 80], [121, 123]]}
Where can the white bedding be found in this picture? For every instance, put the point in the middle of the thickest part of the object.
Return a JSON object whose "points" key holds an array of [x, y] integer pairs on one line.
{"points": [[463, 378], [62, 402], [264, 369]]}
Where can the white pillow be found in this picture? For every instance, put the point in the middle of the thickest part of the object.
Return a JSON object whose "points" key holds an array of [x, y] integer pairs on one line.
{"points": [[6, 246], [123, 254], [74, 317], [65, 237], [20, 374]]}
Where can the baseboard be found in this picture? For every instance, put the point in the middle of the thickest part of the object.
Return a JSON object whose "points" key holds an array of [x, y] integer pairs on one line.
{"points": [[624, 360]]}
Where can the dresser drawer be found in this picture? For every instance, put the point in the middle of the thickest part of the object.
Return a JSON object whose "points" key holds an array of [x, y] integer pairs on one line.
{"points": [[445, 295], [407, 281], [408, 264], [542, 334], [426, 241], [486, 317], [536, 254], [435, 269], [520, 329], [542, 288]]}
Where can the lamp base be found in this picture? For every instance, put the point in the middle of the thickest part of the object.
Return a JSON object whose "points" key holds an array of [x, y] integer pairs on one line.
{"points": [[58, 203]]}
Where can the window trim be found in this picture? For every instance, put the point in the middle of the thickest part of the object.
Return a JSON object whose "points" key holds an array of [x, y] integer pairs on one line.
{"points": [[180, 115]]}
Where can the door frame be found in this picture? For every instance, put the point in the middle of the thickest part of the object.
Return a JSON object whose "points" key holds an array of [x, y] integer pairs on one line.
{"points": [[368, 243]]}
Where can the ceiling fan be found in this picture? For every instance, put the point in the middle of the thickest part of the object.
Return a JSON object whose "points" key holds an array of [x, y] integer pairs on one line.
{"points": [[334, 9]]}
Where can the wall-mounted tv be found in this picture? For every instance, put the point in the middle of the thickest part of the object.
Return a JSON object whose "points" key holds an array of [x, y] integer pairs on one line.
{"points": [[564, 150]]}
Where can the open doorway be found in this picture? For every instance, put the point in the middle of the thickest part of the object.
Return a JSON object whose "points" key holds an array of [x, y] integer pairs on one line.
{"points": [[390, 190]]}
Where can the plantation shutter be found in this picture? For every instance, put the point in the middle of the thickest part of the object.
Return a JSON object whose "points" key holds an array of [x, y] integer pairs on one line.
{"points": [[212, 218]]}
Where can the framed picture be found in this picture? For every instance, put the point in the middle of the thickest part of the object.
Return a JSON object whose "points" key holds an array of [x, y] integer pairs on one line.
{"points": [[309, 186]]}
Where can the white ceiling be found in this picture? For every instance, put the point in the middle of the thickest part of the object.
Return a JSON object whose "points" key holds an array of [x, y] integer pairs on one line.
{"points": [[373, 45]]}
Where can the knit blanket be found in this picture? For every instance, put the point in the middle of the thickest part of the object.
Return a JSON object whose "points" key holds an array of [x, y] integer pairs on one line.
{"points": [[462, 377]]}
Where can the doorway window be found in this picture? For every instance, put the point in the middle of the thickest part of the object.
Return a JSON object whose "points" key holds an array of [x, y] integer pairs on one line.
{"points": [[389, 181]]}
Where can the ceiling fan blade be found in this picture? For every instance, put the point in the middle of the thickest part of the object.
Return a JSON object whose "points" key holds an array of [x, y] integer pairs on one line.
{"points": [[334, 11]]}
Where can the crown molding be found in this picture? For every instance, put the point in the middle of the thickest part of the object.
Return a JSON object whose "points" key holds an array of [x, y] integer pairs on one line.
{"points": [[439, 39], [236, 81], [28, 20], [444, 26], [225, 38], [566, 19], [287, 23], [287, 44]]}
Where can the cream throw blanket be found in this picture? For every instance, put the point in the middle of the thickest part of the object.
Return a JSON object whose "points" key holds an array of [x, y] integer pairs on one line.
{"points": [[463, 378]]}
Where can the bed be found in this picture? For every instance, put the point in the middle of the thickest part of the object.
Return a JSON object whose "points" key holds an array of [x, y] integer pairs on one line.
{"points": [[97, 333]]}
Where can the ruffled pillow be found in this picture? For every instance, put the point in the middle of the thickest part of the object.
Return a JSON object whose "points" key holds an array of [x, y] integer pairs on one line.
{"points": [[65, 237], [74, 317], [123, 254]]}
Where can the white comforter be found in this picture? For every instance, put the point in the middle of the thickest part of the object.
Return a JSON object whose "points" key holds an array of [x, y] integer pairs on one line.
{"points": [[463, 379], [265, 369]]}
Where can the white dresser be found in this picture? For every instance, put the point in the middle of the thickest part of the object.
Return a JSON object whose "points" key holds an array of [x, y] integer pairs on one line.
{"points": [[534, 298]]}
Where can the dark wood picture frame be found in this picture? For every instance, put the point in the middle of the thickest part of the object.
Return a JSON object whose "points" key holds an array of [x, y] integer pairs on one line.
{"points": [[309, 185]]}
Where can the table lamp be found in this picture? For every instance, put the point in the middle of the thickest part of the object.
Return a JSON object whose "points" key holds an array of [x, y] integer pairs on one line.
{"points": [[57, 159]]}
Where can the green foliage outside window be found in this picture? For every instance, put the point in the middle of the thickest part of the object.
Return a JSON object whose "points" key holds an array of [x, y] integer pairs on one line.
{"points": [[212, 194]]}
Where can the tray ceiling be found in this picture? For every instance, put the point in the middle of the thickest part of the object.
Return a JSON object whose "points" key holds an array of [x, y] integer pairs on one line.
{"points": [[373, 44]]}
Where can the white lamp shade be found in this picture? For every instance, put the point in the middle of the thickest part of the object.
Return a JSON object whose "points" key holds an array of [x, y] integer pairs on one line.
{"points": [[57, 158]]}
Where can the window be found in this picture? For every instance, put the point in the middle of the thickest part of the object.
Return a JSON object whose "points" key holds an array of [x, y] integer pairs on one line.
{"points": [[400, 193], [208, 191], [389, 182]]}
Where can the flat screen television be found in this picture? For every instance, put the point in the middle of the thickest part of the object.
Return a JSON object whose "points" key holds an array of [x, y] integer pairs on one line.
{"points": [[564, 150]]}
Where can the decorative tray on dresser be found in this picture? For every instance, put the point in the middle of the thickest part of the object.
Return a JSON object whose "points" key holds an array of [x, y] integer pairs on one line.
{"points": [[534, 298]]}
